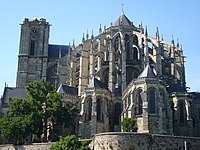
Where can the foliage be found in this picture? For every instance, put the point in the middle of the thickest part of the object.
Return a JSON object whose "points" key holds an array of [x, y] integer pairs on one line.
{"points": [[129, 125], [31, 116], [70, 142]]}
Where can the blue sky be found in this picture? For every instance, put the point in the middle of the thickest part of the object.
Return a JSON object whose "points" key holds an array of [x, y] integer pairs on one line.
{"points": [[70, 19]]}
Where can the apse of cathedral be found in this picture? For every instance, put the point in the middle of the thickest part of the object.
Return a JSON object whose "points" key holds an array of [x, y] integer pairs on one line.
{"points": [[121, 72]]}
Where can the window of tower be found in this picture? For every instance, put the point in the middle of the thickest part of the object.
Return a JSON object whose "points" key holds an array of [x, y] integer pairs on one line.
{"points": [[32, 47], [135, 40], [99, 118], [182, 112], [118, 110], [130, 74], [152, 101], [128, 48], [135, 53], [90, 109], [139, 102], [117, 48], [106, 76]]}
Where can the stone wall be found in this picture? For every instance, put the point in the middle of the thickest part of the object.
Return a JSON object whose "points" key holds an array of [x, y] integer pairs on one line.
{"points": [[142, 141], [35, 146]]}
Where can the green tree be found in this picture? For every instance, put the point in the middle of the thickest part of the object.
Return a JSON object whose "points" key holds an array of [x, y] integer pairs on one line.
{"points": [[129, 125], [43, 105], [16, 124], [70, 142]]}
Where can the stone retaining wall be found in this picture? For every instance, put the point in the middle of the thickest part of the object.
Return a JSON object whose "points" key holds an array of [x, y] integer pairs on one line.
{"points": [[35, 146], [142, 141]]}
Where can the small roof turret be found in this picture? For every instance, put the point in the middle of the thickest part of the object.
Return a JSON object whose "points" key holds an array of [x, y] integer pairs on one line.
{"points": [[148, 72]]}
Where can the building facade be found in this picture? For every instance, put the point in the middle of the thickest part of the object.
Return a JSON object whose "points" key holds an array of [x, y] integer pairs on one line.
{"points": [[121, 72]]}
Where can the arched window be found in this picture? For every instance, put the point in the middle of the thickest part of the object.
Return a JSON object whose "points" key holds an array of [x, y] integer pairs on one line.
{"points": [[152, 101], [118, 111], [135, 53], [106, 76], [128, 47], [32, 47], [116, 47], [135, 40], [130, 74], [182, 112], [99, 109], [139, 103], [90, 108]]}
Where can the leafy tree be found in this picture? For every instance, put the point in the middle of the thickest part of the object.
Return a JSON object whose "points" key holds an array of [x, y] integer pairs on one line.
{"points": [[70, 142], [16, 124], [129, 125], [33, 115]]}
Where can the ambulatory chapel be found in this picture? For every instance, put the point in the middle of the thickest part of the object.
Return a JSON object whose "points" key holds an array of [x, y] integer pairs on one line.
{"points": [[121, 72]]}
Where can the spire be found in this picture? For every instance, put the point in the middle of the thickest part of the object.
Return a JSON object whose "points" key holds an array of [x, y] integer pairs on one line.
{"points": [[100, 29], [92, 36], [73, 43], [146, 47], [157, 34], [177, 42], [146, 33], [105, 28], [162, 38], [172, 40], [87, 35], [83, 39]]}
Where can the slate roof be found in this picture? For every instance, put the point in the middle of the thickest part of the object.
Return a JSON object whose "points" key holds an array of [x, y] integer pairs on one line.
{"points": [[98, 84], [12, 92], [122, 20], [54, 50], [148, 72], [68, 90], [176, 88]]}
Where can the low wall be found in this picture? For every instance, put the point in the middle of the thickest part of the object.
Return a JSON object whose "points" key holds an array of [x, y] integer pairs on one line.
{"points": [[142, 141], [34, 146]]}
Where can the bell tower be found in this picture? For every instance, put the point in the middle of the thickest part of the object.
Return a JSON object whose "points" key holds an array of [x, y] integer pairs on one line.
{"points": [[33, 51]]}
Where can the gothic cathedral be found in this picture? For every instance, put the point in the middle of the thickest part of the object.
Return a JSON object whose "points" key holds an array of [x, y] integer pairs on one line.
{"points": [[121, 72]]}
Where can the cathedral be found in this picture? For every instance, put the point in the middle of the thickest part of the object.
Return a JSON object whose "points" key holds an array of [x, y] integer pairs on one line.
{"points": [[121, 72]]}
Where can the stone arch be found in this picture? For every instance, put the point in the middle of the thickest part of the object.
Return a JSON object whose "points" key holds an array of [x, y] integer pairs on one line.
{"points": [[135, 40]]}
